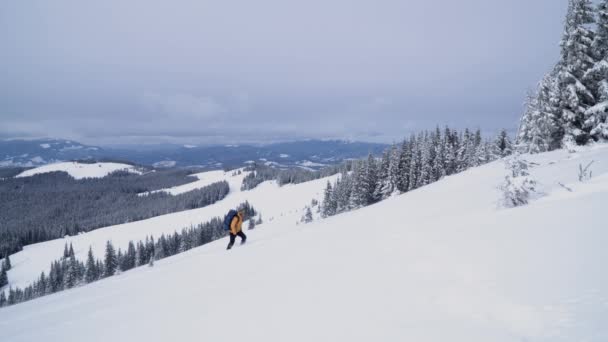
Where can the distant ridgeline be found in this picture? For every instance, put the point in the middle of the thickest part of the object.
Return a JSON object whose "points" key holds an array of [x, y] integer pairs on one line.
{"points": [[51, 205], [570, 105]]}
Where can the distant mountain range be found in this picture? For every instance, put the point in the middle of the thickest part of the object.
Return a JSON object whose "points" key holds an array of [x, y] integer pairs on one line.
{"points": [[312, 154]]}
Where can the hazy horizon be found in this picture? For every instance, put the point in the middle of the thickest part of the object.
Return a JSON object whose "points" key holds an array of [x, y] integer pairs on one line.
{"points": [[237, 72]]}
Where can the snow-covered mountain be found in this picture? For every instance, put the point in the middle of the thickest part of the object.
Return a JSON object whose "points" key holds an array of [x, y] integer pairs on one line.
{"points": [[28, 153], [311, 154], [441, 263], [80, 170]]}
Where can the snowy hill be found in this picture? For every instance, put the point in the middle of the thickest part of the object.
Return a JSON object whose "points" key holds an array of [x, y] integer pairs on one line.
{"points": [[441, 263], [81, 170], [293, 198]]}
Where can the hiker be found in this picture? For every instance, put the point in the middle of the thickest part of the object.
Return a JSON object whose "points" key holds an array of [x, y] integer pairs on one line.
{"points": [[235, 227]]}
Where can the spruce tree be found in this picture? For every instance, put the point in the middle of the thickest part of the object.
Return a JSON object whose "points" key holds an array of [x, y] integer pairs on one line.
{"points": [[71, 251], [7, 262], [308, 215], [66, 251], [502, 146], [3, 277], [92, 272], [110, 261], [576, 60], [71, 274], [596, 117]]}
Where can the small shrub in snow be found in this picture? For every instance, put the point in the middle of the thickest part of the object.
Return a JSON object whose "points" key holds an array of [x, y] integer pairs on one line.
{"points": [[584, 174], [518, 185], [307, 218]]}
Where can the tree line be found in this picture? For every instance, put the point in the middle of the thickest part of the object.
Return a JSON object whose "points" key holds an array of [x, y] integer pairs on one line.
{"points": [[53, 205], [69, 272], [570, 105], [420, 160]]}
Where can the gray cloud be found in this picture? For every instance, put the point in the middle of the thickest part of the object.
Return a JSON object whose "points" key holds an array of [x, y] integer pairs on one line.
{"points": [[236, 71]]}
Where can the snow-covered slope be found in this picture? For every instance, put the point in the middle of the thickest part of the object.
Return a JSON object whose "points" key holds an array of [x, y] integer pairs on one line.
{"points": [[204, 179], [80, 170], [283, 205], [441, 263]]}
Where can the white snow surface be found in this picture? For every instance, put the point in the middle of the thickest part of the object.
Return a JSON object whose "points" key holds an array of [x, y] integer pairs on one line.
{"points": [[442, 263], [45, 145], [80, 170], [204, 179]]}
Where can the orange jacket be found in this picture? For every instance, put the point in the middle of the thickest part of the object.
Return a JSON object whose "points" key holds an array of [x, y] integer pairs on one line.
{"points": [[236, 223]]}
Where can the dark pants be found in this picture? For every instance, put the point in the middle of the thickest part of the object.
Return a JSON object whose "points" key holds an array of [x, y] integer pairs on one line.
{"points": [[233, 236]]}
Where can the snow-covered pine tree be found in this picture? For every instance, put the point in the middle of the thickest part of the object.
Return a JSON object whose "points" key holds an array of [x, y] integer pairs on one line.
{"points": [[357, 198], [66, 252], [2, 299], [426, 162], [328, 208], [307, 216], [393, 171], [71, 275], [3, 277], [502, 145], [450, 140], [110, 261], [251, 224], [91, 273], [575, 61], [405, 165], [416, 157], [596, 117], [518, 185], [383, 188], [71, 251], [7, 262], [371, 181], [439, 162]]}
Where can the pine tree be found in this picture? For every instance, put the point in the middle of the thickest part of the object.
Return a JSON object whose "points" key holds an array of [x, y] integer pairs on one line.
{"points": [[307, 216], [71, 274], [110, 262], [71, 251], [371, 181], [92, 272], [393, 171], [3, 277], [7, 263], [66, 251], [576, 59], [130, 257], [502, 146], [596, 117], [251, 224], [405, 165], [383, 188], [2, 299]]}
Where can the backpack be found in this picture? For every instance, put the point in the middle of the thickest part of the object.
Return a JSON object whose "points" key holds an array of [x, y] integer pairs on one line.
{"points": [[228, 218]]}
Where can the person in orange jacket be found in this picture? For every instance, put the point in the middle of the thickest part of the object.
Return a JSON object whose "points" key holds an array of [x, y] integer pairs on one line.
{"points": [[236, 228]]}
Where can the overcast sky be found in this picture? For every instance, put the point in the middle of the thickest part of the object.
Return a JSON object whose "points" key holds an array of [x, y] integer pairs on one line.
{"points": [[234, 71]]}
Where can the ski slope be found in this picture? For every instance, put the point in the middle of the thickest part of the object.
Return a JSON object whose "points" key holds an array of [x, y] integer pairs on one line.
{"points": [[441, 263], [80, 170]]}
